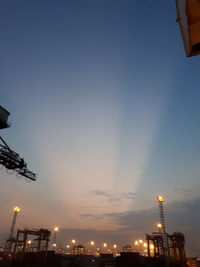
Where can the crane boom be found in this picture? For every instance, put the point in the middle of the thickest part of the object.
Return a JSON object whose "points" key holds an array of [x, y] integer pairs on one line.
{"points": [[12, 161]]}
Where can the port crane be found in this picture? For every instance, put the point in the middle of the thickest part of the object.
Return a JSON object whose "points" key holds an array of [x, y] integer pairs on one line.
{"points": [[9, 158]]}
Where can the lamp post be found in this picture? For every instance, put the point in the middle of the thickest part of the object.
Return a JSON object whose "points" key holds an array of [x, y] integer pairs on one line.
{"points": [[160, 201], [159, 226], [56, 229], [74, 242], [145, 248], [141, 245], [105, 246], [92, 246], [29, 242], [16, 210], [136, 245], [115, 249]]}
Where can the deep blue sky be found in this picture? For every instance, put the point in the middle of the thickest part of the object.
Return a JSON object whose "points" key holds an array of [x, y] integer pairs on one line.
{"points": [[105, 108]]}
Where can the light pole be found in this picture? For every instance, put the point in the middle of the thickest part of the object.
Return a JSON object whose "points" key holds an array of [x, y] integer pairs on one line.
{"points": [[56, 229], [141, 245], [92, 246], [160, 201], [136, 245], [115, 249], [74, 242], [105, 246], [145, 248], [29, 242], [16, 210], [159, 226]]}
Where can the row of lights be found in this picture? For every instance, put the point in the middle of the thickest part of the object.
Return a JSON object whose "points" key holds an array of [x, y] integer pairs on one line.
{"points": [[92, 243]]}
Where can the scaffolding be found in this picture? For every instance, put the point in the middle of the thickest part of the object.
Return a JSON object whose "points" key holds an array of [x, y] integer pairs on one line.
{"points": [[19, 246], [177, 246], [158, 246]]}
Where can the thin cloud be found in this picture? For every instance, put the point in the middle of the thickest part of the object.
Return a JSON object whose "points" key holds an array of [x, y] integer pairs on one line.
{"points": [[116, 197], [92, 216], [102, 193]]}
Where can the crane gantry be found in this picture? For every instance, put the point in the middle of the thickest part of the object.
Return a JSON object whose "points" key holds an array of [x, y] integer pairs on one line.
{"points": [[9, 158]]}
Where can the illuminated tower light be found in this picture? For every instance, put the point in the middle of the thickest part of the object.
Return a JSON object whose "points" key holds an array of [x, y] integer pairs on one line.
{"points": [[160, 201], [16, 210]]}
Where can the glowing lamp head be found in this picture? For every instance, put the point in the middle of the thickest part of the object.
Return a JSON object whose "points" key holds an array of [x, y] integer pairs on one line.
{"points": [[145, 245], [56, 229], [160, 199], [151, 246], [114, 246], [73, 241], [140, 241], [104, 245], [92, 243], [159, 225], [54, 244], [16, 209], [136, 243], [29, 242]]}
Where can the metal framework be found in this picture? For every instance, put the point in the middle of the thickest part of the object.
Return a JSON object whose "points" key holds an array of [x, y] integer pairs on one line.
{"points": [[157, 239], [9, 158], [177, 247], [12, 161], [4, 114], [162, 220], [19, 246], [163, 229]]}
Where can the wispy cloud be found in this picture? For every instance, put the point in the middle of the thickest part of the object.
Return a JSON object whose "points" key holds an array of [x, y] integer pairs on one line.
{"points": [[92, 216], [102, 193], [116, 197]]}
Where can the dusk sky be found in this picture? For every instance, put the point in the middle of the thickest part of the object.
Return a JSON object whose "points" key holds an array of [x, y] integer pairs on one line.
{"points": [[105, 109]]}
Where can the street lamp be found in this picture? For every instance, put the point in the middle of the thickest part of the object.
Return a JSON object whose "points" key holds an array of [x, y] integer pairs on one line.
{"points": [[140, 245], [29, 242], [145, 245], [136, 245], [115, 249], [159, 226], [160, 201], [105, 246], [92, 245], [16, 210], [74, 242], [56, 229]]}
